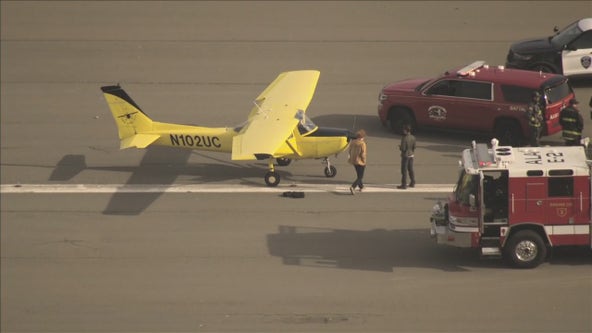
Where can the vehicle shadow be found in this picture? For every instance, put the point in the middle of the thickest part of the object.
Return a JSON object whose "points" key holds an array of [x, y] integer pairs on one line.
{"points": [[580, 82], [383, 250]]}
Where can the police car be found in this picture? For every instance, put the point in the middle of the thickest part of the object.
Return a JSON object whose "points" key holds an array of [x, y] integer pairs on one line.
{"points": [[568, 52]]}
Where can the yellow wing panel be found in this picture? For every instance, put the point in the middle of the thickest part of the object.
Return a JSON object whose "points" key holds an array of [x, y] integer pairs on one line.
{"points": [[277, 112]]}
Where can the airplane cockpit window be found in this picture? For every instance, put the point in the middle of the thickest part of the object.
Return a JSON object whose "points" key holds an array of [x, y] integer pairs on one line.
{"points": [[306, 125]]}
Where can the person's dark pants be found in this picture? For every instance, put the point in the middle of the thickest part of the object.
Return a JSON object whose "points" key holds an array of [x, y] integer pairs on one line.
{"points": [[407, 167], [360, 175], [535, 133], [573, 142]]}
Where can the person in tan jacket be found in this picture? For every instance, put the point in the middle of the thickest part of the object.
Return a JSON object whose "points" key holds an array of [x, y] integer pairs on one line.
{"points": [[357, 157]]}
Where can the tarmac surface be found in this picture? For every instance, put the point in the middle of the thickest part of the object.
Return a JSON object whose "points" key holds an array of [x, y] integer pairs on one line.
{"points": [[164, 240]]}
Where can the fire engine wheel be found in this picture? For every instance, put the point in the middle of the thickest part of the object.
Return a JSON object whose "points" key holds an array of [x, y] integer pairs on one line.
{"points": [[282, 161], [330, 171], [272, 178], [525, 249]]}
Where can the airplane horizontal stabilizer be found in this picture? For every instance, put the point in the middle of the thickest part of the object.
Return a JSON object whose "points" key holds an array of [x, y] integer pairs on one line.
{"points": [[138, 141]]}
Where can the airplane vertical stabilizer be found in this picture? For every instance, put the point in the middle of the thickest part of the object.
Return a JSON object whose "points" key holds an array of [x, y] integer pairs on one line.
{"points": [[131, 121]]}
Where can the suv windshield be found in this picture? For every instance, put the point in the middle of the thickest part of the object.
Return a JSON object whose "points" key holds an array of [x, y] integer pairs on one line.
{"points": [[467, 185], [566, 35], [558, 92]]}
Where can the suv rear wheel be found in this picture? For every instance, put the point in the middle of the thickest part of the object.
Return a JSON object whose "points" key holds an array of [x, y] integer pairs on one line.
{"points": [[508, 133], [399, 117]]}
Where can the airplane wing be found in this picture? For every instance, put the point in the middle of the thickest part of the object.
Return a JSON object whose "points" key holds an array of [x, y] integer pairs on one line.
{"points": [[277, 111]]}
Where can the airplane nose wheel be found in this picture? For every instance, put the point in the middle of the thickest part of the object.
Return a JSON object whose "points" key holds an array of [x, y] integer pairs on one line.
{"points": [[272, 178], [330, 171]]}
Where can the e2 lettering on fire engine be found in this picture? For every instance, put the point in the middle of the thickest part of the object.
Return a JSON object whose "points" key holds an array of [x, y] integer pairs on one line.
{"points": [[535, 157], [203, 141]]}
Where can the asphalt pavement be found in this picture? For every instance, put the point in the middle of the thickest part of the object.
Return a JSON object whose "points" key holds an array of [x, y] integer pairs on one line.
{"points": [[94, 238]]}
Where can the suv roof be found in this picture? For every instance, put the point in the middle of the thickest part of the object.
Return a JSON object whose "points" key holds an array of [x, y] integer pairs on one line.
{"points": [[480, 71], [585, 24]]}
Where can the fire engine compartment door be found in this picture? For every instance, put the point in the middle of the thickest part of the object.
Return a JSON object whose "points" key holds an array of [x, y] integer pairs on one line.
{"points": [[535, 199]]}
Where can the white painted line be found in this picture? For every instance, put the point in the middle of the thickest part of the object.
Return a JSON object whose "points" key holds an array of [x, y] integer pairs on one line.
{"points": [[210, 188]]}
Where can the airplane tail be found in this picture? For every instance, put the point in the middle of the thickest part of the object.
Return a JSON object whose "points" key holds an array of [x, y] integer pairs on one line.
{"points": [[133, 124]]}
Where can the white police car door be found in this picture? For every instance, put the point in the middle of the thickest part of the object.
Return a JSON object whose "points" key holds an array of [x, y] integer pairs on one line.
{"points": [[577, 57]]}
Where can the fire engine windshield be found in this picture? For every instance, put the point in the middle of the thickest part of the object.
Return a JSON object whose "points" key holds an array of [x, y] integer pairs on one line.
{"points": [[467, 185]]}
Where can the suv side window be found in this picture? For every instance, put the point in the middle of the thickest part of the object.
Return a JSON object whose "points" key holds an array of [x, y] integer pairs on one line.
{"points": [[465, 89], [476, 90], [583, 42], [442, 88], [516, 94]]}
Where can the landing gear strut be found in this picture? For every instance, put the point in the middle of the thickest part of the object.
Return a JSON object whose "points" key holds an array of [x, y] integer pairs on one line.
{"points": [[272, 178]]}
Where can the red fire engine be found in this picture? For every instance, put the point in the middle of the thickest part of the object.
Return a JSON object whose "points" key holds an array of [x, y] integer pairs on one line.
{"points": [[516, 203]]}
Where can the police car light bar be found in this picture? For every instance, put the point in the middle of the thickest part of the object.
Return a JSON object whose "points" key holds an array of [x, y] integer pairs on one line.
{"points": [[470, 68]]}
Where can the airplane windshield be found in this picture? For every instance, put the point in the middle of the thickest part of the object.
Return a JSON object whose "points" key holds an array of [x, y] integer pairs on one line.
{"points": [[306, 125]]}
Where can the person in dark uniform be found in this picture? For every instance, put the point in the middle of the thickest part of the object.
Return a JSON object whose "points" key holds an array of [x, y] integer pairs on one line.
{"points": [[535, 117], [572, 122], [407, 149]]}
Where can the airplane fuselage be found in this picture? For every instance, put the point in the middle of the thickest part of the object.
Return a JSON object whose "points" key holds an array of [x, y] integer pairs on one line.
{"points": [[319, 144]]}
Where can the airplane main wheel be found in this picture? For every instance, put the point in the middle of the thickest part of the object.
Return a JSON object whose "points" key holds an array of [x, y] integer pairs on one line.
{"points": [[272, 178], [282, 161], [330, 172]]}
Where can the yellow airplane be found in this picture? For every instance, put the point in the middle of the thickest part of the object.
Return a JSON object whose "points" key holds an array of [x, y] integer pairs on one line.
{"points": [[277, 127]]}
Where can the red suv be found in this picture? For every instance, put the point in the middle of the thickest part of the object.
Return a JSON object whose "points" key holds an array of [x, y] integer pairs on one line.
{"points": [[476, 98]]}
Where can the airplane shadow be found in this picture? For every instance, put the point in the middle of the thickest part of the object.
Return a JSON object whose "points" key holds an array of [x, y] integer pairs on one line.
{"points": [[162, 166], [384, 250]]}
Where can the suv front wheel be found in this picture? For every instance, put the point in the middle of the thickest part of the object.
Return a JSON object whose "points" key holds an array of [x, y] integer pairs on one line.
{"points": [[399, 117]]}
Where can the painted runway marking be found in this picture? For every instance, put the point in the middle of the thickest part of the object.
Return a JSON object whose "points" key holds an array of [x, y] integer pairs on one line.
{"points": [[210, 188]]}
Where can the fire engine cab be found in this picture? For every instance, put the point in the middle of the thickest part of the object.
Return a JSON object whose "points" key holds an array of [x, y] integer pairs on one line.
{"points": [[516, 203]]}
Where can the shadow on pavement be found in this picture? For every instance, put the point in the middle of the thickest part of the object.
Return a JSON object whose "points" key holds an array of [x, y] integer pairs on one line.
{"points": [[385, 250], [162, 166]]}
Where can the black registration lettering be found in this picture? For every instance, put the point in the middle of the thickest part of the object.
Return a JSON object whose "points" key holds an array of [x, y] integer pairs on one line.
{"points": [[533, 158], [200, 141], [555, 158]]}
